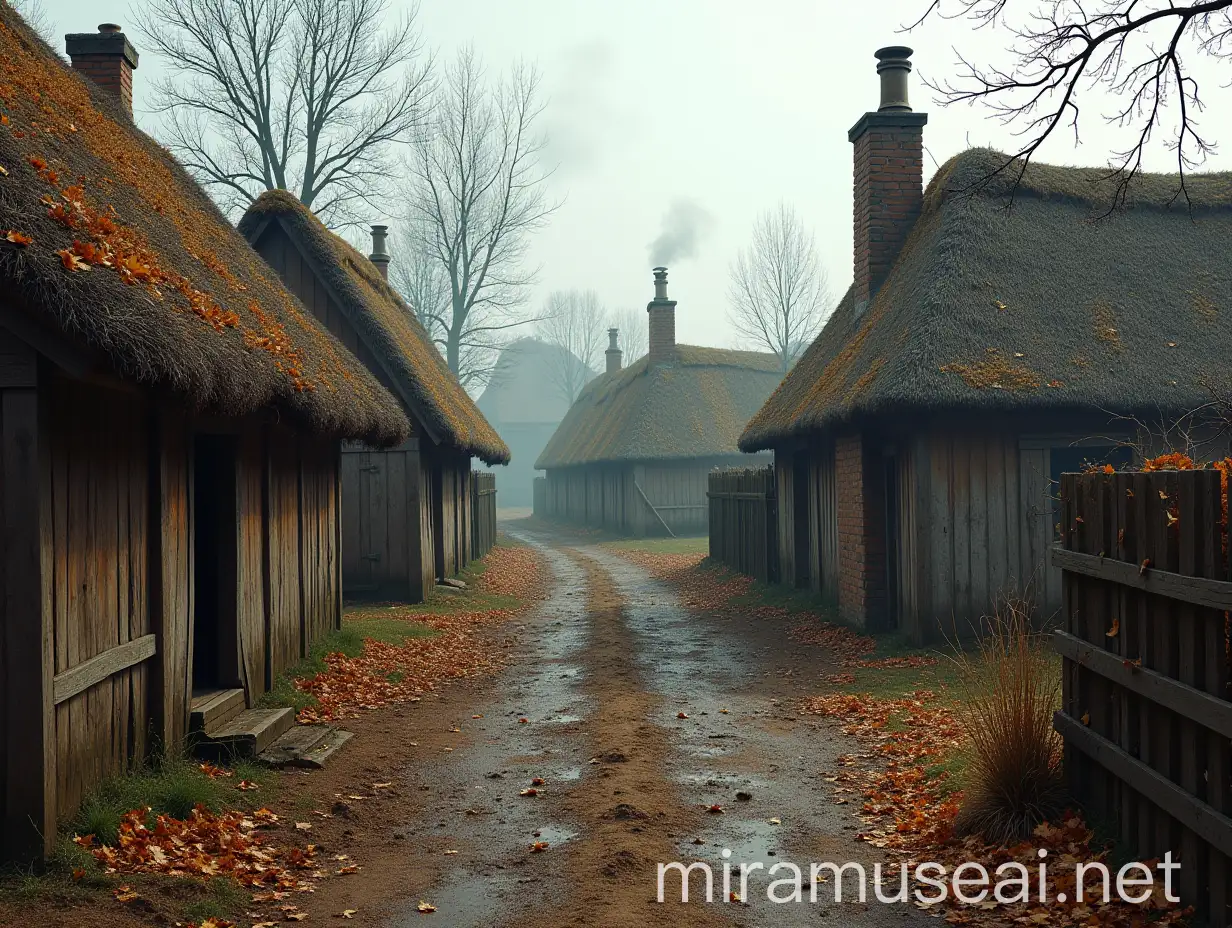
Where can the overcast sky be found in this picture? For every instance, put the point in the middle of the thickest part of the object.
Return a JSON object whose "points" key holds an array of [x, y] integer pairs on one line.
{"points": [[722, 105]]}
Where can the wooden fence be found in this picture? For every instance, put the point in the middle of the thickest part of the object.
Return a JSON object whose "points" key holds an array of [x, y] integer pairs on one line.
{"points": [[539, 497], [483, 513], [1146, 717], [744, 521]]}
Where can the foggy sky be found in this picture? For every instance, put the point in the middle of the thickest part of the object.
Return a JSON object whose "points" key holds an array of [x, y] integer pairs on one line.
{"points": [[707, 112]]}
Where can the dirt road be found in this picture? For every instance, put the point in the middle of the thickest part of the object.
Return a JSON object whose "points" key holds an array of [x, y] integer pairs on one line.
{"points": [[638, 717]]}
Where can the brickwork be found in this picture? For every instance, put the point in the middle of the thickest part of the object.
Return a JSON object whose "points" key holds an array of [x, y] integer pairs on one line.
{"points": [[861, 534], [106, 58], [888, 187], [662, 329]]}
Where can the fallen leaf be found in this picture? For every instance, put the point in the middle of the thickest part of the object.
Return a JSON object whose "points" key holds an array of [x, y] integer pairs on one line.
{"points": [[539, 847], [681, 715], [1146, 565], [523, 720], [348, 869], [776, 821], [1115, 630], [347, 913], [537, 781], [212, 771], [529, 792], [715, 809], [124, 894], [70, 261], [477, 716], [382, 785], [1086, 718], [450, 853], [247, 785], [13, 237], [303, 826], [4, 172], [79, 873], [426, 907], [455, 729]]}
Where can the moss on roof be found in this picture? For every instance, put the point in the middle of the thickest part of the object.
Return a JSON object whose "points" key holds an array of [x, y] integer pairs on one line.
{"points": [[1035, 307], [691, 407], [104, 237], [386, 324]]}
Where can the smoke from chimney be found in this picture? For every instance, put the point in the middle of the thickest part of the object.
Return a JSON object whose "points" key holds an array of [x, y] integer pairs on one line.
{"points": [[684, 225]]}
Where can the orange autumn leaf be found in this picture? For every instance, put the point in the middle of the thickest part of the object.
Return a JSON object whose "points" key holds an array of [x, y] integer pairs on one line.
{"points": [[71, 261], [532, 792], [715, 809], [13, 237], [539, 847], [1086, 718], [1115, 630]]}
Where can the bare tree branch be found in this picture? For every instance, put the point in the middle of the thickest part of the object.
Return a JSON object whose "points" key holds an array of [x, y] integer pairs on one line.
{"points": [[573, 322], [477, 192], [1135, 50], [302, 95], [778, 293]]}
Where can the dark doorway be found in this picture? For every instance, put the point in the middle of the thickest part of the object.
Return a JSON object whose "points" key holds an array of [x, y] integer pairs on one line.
{"points": [[893, 541], [800, 516], [215, 628]]}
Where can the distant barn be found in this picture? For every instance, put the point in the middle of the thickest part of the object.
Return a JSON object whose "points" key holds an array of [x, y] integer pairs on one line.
{"points": [[633, 453], [525, 404], [981, 352], [406, 511], [170, 429]]}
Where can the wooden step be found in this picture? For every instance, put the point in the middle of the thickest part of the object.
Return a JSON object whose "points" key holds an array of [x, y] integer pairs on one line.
{"points": [[309, 746], [215, 708], [246, 734]]}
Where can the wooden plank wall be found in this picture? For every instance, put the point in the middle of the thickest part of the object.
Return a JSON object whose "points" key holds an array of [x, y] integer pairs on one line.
{"points": [[678, 492], [172, 591], [381, 534], [283, 606], [784, 488], [1037, 528], [320, 559], [99, 445], [823, 527], [250, 561], [974, 533], [483, 513]]}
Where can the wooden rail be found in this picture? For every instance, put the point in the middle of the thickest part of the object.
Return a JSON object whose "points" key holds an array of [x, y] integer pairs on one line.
{"points": [[78, 679], [1146, 717], [645, 499]]}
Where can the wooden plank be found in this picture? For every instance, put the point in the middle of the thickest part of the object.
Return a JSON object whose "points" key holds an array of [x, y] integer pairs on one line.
{"points": [[981, 545], [1213, 827], [1198, 591], [29, 651], [1208, 710], [102, 666], [1187, 527], [651, 507]]}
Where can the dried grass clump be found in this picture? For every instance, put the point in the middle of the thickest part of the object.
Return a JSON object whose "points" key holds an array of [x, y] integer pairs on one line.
{"points": [[1009, 690]]}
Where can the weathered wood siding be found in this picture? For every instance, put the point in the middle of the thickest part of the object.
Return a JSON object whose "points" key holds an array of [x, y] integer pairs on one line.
{"points": [[386, 522], [98, 444], [823, 525]]}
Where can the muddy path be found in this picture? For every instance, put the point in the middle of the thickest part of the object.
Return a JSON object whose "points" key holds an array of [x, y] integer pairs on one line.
{"points": [[629, 718]]}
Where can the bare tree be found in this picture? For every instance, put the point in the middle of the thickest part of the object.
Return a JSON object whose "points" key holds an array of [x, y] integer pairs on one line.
{"points": [[300, 95], [37, 18], [476, 183], [634, 333], [1140, 51], [778, 292], [573, 321]]}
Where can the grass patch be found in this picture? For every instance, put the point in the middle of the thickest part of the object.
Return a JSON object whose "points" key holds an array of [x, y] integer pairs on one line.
{"points": [[662, 545], [389, 623]]}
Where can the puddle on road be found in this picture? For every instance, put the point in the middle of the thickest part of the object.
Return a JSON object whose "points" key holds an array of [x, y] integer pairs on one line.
{"points": [[494, 875]]}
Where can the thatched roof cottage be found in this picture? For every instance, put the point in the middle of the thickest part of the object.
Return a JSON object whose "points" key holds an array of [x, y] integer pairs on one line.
{"points": [[526, 403], [993, 338], [407, 510], [170, 425], [633, 453]]}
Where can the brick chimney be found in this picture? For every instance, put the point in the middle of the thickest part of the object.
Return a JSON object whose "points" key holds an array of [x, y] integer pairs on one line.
{"points": [[107, 58], [888, 176], [379, 256], [662, 320], [614, 354]]}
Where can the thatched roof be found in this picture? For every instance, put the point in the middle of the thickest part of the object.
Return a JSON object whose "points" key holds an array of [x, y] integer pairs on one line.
{"points": [[107, 242], [691, 407], [1052, 305], [387, 326], [521, 389]]}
